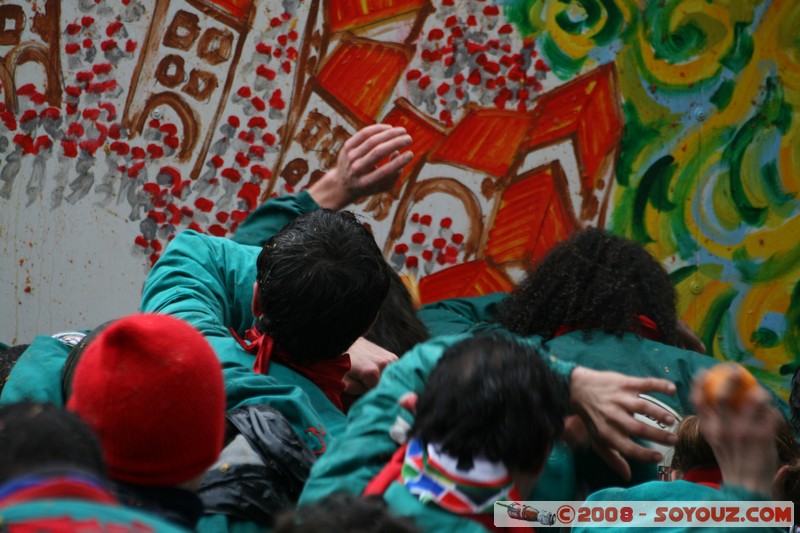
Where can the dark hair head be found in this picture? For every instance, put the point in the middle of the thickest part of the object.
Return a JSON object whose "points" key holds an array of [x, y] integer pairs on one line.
{"points": [[493, 397], [593, 280], [321, 280], [9, 358], [75, 356], [37, 437], [397, 328], [344, 512]]}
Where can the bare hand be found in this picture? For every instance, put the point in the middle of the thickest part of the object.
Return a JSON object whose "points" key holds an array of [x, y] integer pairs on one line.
{"points": [[607, 401], [367, 361], [688, 339], [743, 441], [357, 173]]}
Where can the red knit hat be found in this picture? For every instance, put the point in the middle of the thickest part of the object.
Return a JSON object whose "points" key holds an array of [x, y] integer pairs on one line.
{"points": [[151, 388]]}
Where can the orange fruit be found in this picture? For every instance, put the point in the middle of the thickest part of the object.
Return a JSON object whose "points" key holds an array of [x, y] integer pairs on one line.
{"points": [[720, 377]]}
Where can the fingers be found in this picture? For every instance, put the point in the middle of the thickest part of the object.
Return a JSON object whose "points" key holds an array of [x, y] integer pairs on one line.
{"points": [[363, 134], [353, 386], [385, 176], [380, 146], [615, 461], [647, 432], [650, 410], [575, 433], [642, 385], [370, 377]]}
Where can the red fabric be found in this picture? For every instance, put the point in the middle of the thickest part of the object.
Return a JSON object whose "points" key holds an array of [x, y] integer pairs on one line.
{"points": [[59, 488], [649, 329], [151, 388], [709, 476], [328, 374], [390, 473]]}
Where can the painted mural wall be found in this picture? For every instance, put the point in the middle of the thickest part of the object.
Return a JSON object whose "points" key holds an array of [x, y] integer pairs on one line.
{"points": [[123, 122]]}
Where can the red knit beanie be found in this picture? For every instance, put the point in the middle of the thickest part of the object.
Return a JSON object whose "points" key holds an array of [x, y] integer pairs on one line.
{"points": [[151, 388]]}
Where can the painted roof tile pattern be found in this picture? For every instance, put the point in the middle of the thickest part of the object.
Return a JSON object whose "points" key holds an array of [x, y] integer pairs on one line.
{"points": [[467, 279], [350, 14], [587, 110], [361, 74], [534, 214], [237, 8], [486, 140]]}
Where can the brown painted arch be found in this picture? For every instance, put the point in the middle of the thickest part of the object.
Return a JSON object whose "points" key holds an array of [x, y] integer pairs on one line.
{"points": [[450, 186], [185, 113], [28, 52]]}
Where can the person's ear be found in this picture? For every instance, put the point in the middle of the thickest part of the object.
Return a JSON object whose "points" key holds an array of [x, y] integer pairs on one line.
{"points": [[255, 305]]}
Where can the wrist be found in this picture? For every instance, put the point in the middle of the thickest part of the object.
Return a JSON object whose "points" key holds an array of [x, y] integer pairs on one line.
{"points": [[328, 193]]}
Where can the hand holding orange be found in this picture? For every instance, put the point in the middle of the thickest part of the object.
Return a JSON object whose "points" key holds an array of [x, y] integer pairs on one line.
{"points": [[728, 383]]}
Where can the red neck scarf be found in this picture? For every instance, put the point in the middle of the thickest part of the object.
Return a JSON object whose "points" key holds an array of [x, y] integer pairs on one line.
{"points": [[392, 472], [709, 476], [326, 374], [649, 329]]}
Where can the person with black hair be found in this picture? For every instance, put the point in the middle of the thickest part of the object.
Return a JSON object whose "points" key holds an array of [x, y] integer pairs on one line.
{"points": [[53, 478], [397, 327], [312, 290], [484, 425], [378, 423], [603, 301], [594, 281]]}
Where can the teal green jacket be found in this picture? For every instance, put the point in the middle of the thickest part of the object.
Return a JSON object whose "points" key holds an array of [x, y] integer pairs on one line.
{"points": [[667, 491], [366, 446], [271, 216], [37, 374]]}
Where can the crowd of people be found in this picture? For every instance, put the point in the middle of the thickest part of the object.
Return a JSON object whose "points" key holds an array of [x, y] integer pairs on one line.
{"points": [[286, 379]]}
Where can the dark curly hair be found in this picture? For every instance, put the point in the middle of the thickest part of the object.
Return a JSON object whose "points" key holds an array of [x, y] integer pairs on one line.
{"points": [[594, 280], [321, 281], [491, 396]]}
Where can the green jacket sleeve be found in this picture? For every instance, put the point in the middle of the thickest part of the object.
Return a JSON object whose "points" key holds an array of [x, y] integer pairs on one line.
{"points": [[271, 216], [207, 281], [458, 315], [37, 374]]}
